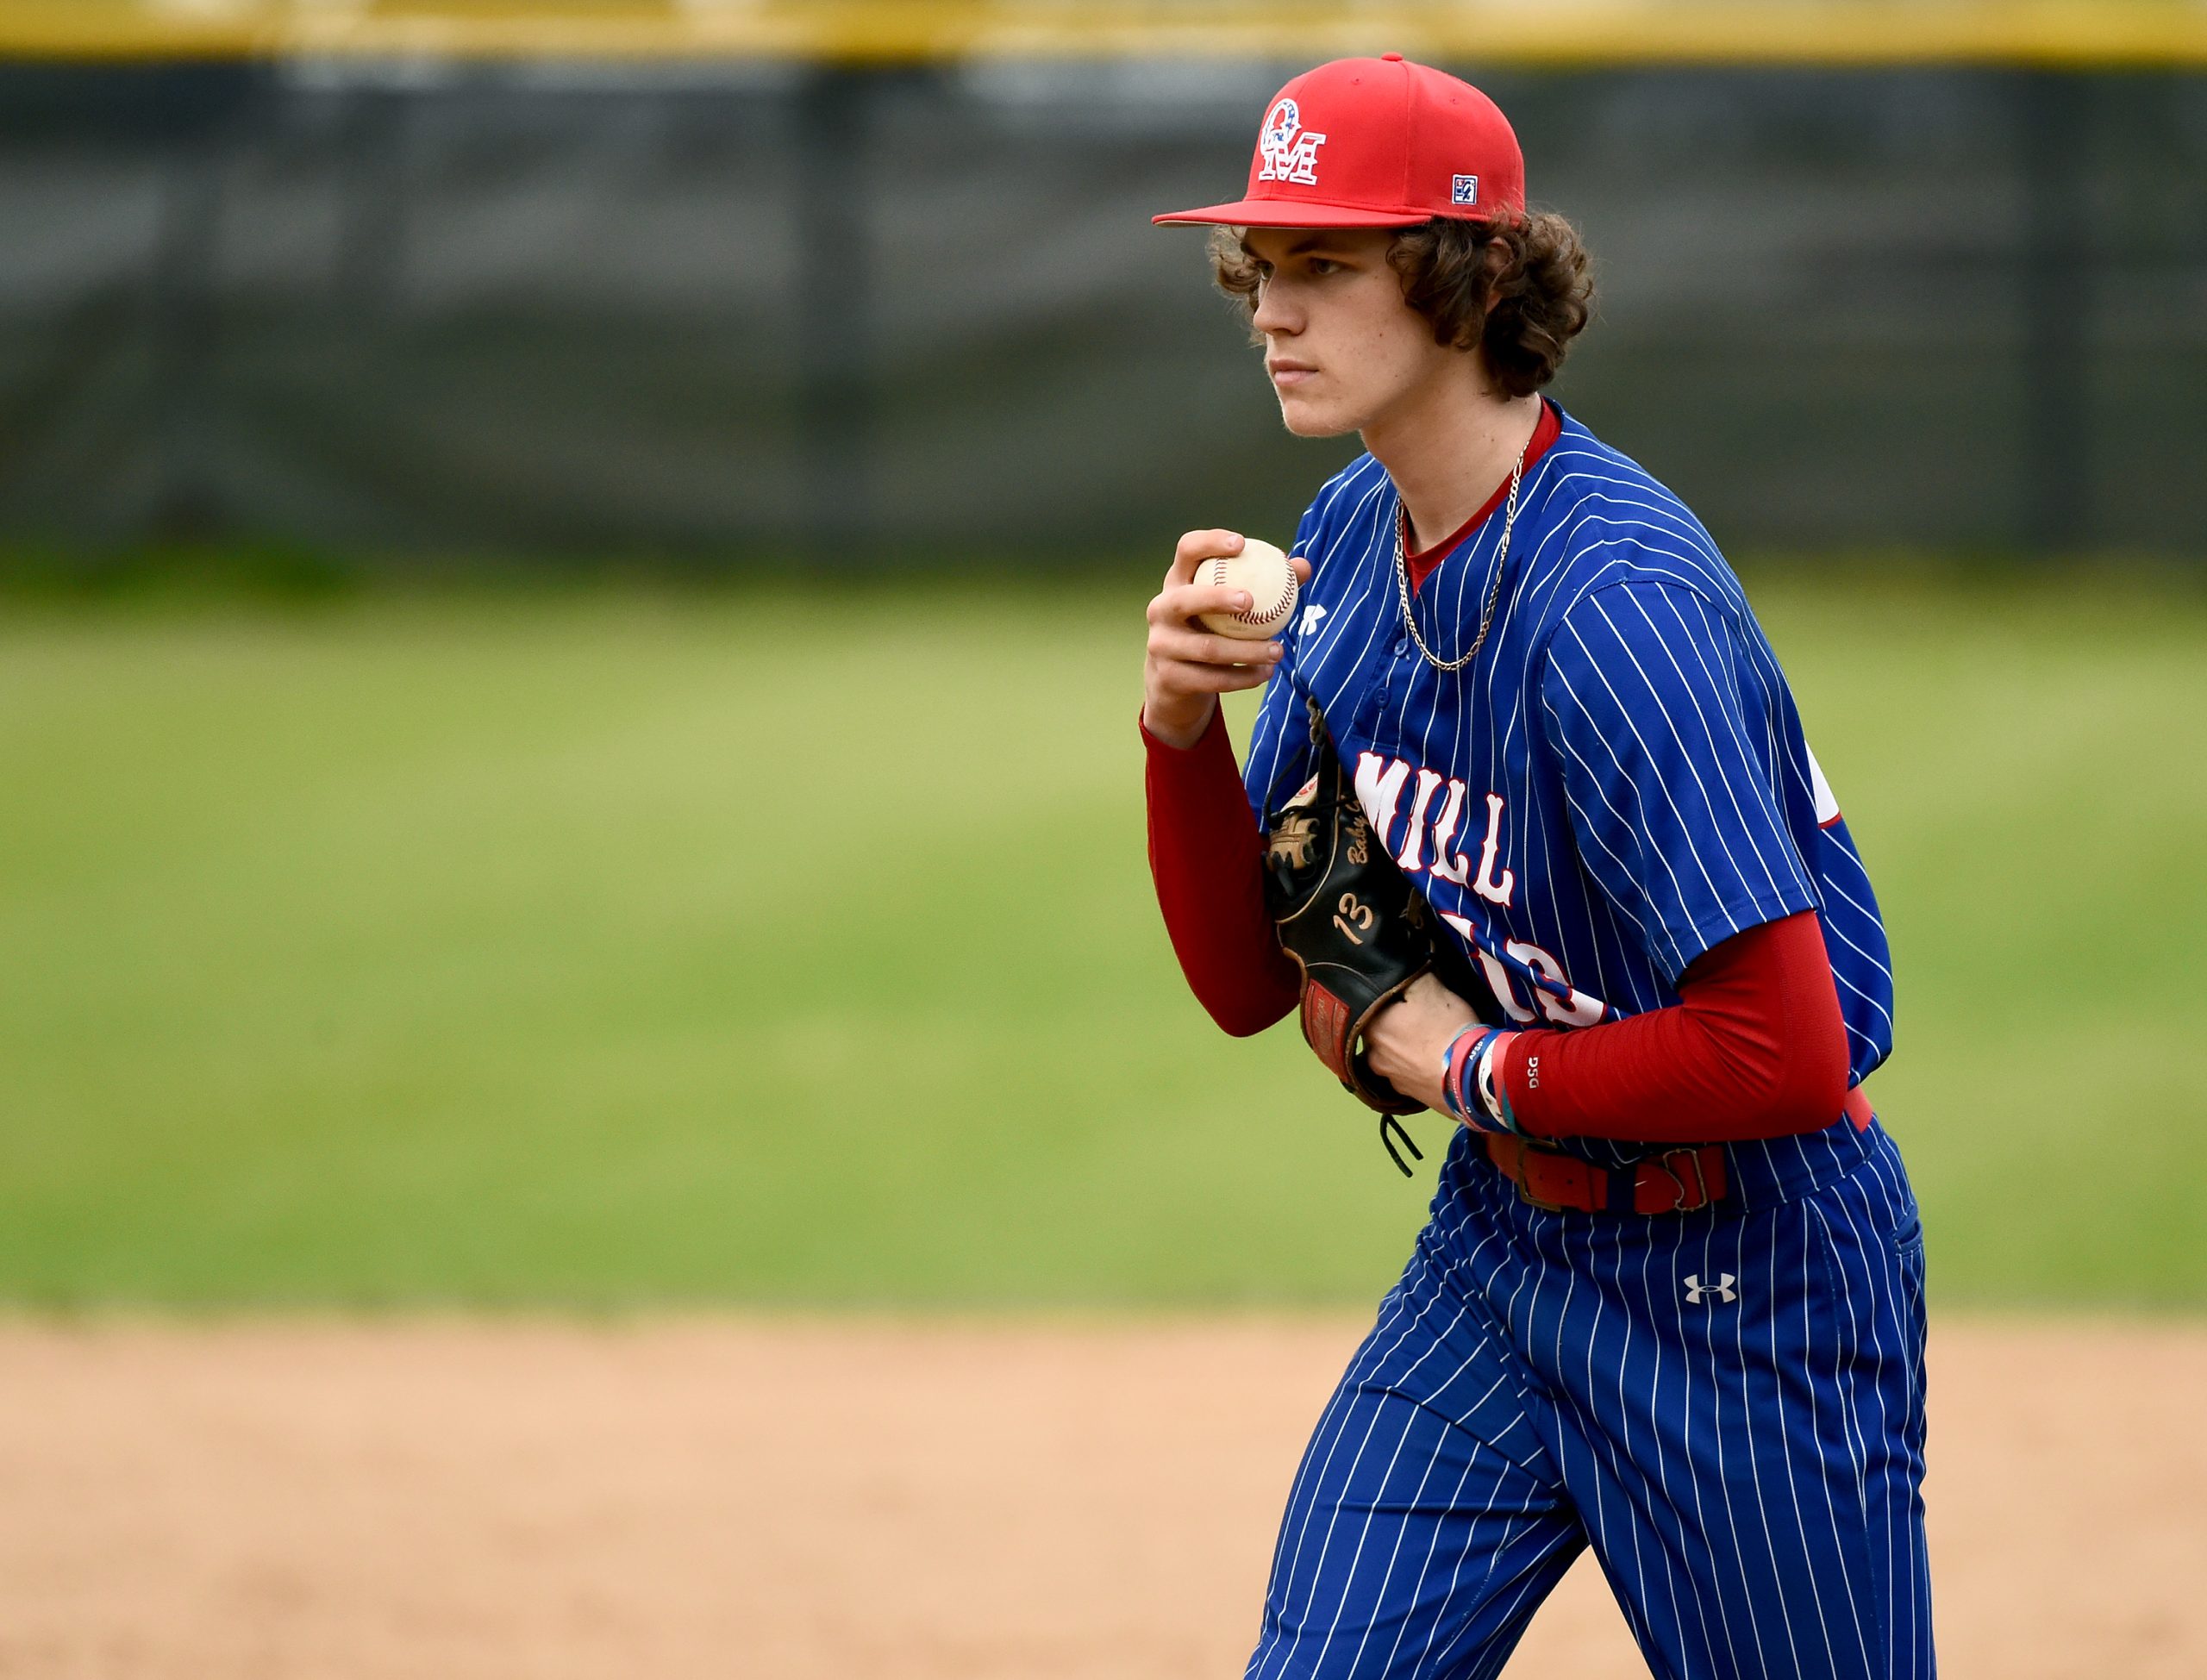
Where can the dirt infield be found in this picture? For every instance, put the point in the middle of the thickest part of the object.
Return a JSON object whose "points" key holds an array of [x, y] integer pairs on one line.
{"points": [[793, 1498]]}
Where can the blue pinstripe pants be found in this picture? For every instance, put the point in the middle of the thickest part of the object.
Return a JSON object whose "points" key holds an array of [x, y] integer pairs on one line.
{"points": [[1727, 1405]]}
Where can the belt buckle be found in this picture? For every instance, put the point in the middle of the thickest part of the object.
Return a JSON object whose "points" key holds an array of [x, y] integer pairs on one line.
{"points": [[1525, 1195], [1699, 1190]]}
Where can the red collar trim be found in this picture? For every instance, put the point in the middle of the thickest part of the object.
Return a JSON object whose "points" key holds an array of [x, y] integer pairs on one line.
{"points": [[1422, 564]]}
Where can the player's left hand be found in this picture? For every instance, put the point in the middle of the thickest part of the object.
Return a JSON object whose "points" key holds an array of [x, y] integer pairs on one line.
{"points": [[1405, 1041]]}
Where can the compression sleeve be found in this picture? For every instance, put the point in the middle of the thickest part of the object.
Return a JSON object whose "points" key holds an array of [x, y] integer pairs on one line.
{"points": [[1755, 1048], [1206, 858]]}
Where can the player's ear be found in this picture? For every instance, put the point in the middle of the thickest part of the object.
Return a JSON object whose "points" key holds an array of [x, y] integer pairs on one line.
{"points": [[1495, 259]]}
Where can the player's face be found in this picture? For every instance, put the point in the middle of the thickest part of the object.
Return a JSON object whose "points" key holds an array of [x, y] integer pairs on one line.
{"points": [[1343, 350]]}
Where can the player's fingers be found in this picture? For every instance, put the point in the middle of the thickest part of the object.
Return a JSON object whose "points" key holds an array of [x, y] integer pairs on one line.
{"points": [[1212, 678], [1302, 568], [1194, 648], [1197, 547], [1175, 603]]}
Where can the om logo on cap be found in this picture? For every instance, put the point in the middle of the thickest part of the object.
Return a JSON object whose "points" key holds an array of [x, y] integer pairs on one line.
{"points": [[1290, 154]]}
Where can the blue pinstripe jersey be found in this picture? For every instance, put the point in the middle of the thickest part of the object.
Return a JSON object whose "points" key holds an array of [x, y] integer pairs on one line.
{"points": [[1616, 783]]}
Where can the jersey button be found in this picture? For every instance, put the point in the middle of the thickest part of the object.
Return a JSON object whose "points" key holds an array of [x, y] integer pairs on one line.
{"points": [[1402, 644]]}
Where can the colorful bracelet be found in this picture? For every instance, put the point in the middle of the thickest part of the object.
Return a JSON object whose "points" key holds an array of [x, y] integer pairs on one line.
{"points": [[1454, 1060], [1450, 1097], [1493, 1094]]}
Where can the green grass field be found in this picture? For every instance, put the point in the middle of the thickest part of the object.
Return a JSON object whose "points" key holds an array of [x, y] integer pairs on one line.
{"points": [[602, 949]]}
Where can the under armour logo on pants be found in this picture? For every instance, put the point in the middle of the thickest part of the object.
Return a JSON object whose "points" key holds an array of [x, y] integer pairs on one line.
{"points": [[1722, 1289]]}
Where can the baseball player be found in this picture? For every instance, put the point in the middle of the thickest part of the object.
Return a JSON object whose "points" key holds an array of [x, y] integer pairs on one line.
{"points": [[1670, 1302]]}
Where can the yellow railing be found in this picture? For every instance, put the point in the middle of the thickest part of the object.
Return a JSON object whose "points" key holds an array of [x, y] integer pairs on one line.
{"points": [[2051, 33]]}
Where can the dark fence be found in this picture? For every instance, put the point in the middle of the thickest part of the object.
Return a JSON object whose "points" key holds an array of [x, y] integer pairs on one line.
{"points": [[893, 314]]}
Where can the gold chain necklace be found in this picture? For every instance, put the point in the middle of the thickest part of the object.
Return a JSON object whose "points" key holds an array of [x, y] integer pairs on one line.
{"points": [[1493, 595]]}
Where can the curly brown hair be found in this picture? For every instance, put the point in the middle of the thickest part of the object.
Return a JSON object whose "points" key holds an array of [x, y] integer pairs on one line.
{"points": [[1519, 290]]}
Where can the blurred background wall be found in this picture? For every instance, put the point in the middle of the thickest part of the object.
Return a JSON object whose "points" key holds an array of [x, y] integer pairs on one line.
{"points": [[407, 281]]}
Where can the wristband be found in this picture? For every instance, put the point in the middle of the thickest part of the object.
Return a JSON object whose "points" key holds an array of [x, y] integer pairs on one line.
{"points": [[1451, 1093], [1493, 1094], [1458, 1058]]}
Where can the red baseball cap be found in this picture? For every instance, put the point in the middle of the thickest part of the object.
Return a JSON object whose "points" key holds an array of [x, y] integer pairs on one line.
{"points": [[1376, 143]]}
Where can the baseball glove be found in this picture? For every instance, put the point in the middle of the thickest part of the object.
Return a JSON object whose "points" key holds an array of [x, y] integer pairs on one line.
{"points": [[1355, 926]]}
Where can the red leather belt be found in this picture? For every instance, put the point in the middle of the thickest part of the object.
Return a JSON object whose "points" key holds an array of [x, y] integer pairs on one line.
{"points": [[1676, 1183]]}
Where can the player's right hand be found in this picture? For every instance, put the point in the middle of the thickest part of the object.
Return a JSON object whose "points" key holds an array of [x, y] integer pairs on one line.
{"points": [[1187, 667]]}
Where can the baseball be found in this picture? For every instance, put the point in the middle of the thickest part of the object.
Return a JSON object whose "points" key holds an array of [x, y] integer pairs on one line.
{"points": [[1263, 571]]}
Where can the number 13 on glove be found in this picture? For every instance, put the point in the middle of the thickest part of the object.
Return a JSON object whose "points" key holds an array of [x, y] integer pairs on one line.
{"points": [[1354, 925]]}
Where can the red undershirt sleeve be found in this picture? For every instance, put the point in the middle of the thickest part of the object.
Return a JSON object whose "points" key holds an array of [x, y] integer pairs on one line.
{"points": [[1755, 1047], [1207, 859]]}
